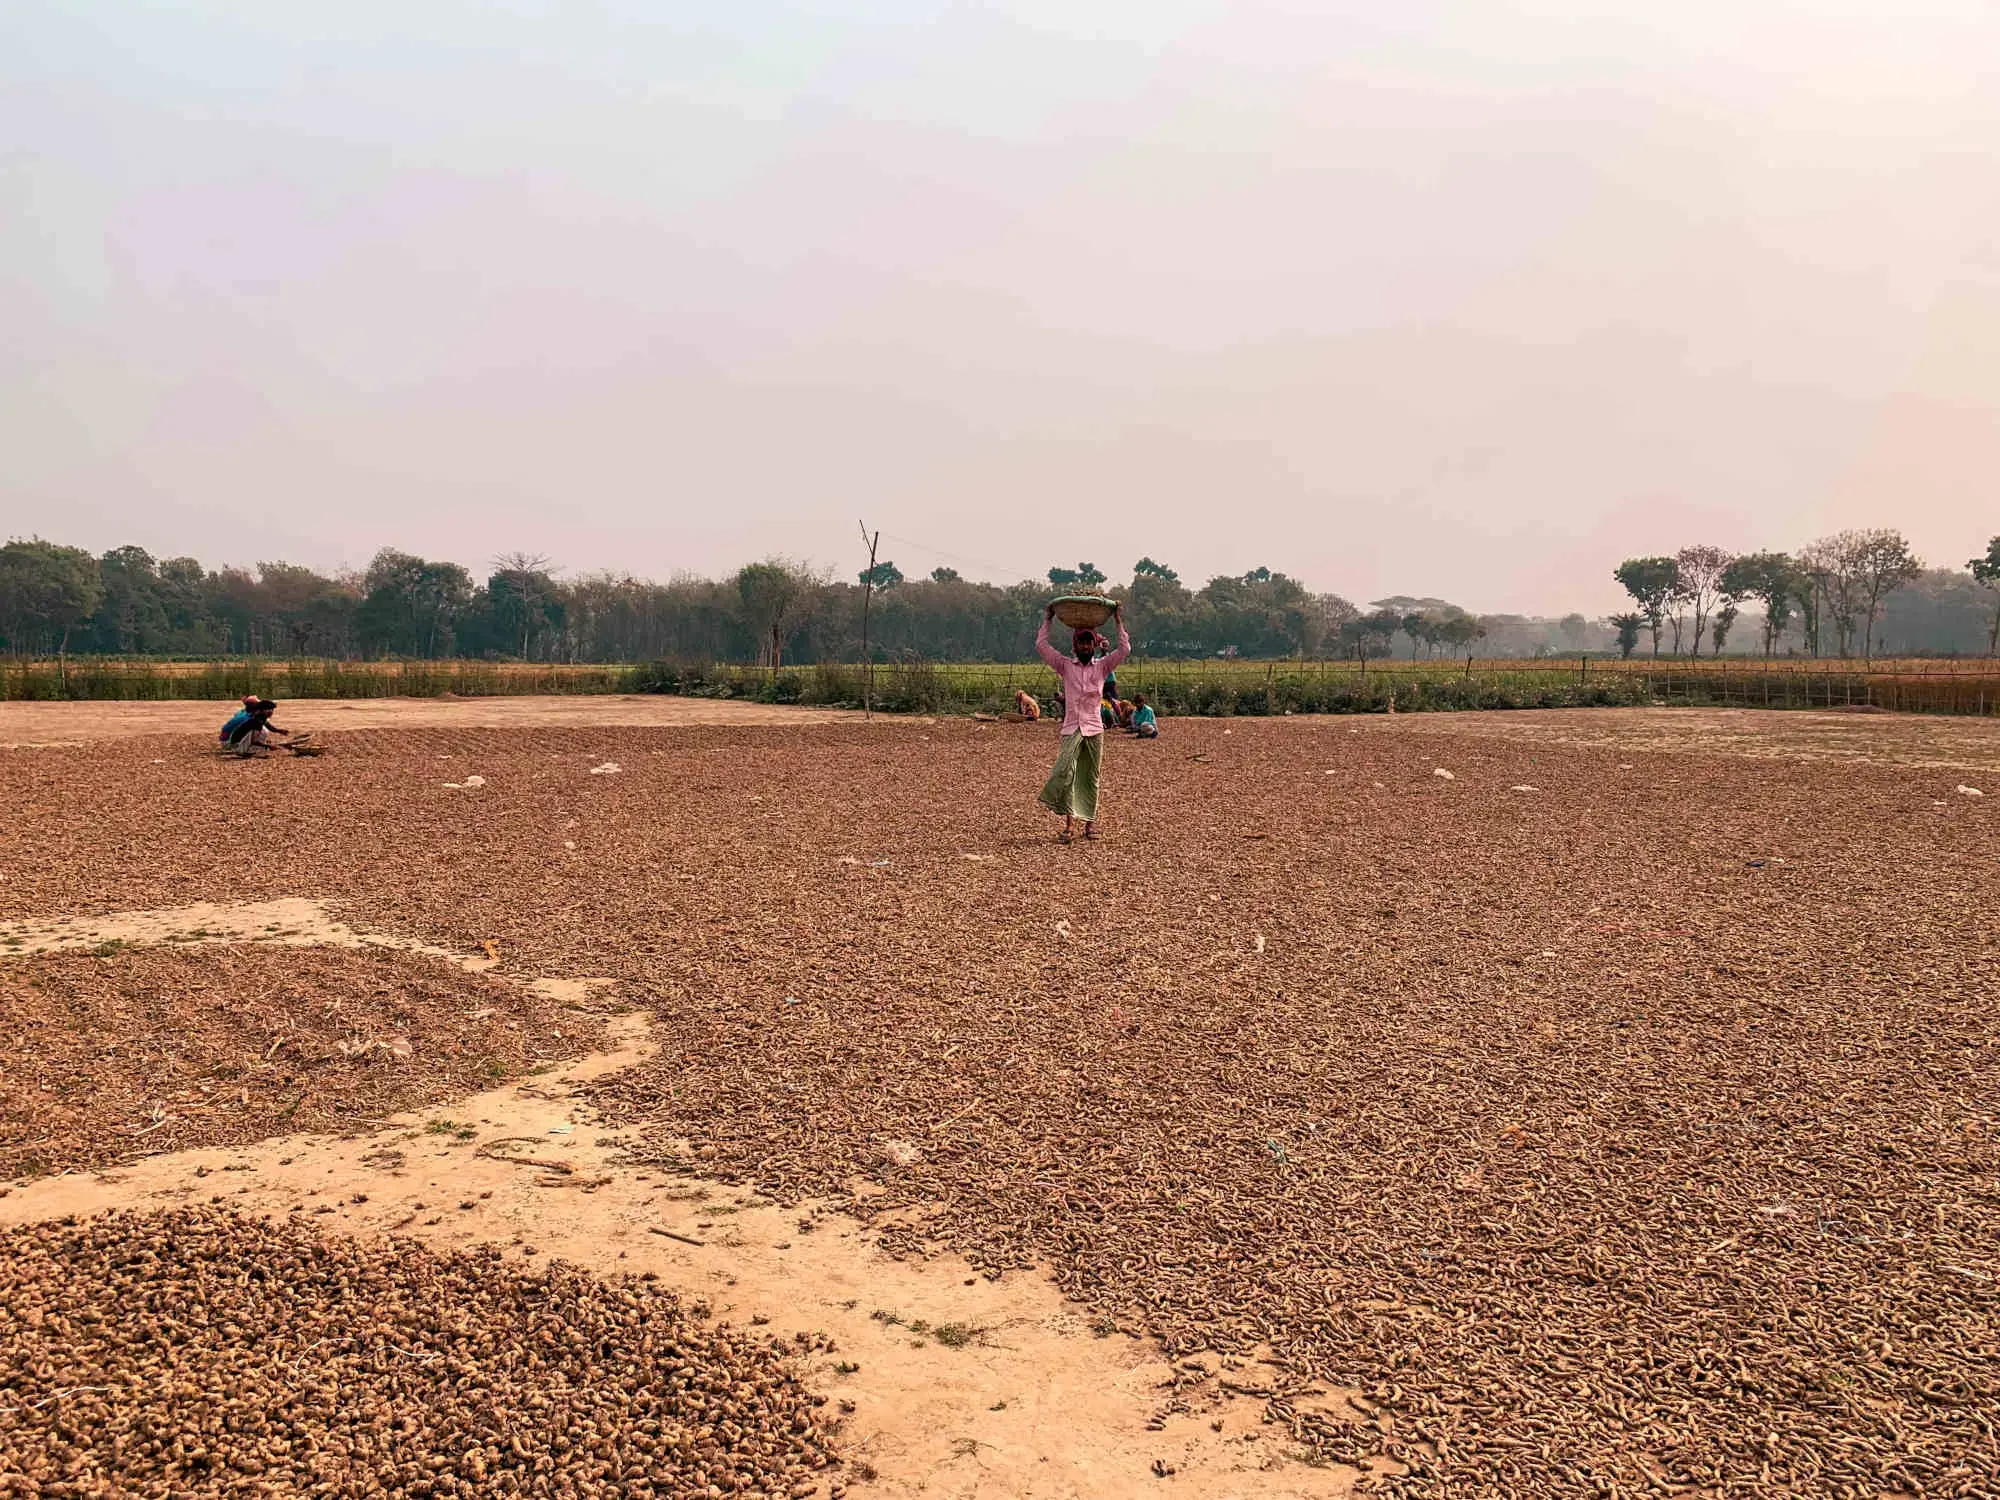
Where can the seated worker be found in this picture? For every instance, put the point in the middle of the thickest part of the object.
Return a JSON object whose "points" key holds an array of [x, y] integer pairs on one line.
{"points": [[1123, 708], [1145, 724], [254, 731], [1026, 706], [1106, 714]]}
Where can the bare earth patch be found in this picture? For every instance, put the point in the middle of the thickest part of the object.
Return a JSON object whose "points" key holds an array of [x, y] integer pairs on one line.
{"points": [[24, 724], [1916, 740]]}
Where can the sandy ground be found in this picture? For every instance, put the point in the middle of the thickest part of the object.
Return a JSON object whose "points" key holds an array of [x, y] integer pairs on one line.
{"points": [[289, 919], [1892, 739], [1884, 739], [1034, 1405], [38, 724]]}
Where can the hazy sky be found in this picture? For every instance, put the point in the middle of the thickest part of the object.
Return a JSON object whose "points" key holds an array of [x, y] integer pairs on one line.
{"points": [[1469, 299]]}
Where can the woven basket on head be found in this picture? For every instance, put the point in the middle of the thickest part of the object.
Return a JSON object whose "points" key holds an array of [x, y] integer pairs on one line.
{"points": [[1083, 611]]}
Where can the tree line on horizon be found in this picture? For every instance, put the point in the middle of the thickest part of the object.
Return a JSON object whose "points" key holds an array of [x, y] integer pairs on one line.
{"points": [[1835, 591], [56, 599]]}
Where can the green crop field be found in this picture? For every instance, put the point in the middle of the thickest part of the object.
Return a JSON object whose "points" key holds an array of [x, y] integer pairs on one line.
{"points": [[1205, 687]]}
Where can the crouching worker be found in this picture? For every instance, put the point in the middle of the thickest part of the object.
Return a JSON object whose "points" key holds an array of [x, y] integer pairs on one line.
{"points": [[1145, 724], [250, 728], [1026, 706]]}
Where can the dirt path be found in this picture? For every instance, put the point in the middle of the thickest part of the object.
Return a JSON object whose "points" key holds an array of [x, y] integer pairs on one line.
{"points": [[1922, 740], [24, 725], [962, 1388], [1890, 739]]}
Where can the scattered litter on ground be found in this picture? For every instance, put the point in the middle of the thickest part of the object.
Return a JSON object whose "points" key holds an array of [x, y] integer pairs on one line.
{"points": [[897, 1153]]}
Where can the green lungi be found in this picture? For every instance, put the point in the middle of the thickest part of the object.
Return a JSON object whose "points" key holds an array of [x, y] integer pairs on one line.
{"points": [[1072, 787]]}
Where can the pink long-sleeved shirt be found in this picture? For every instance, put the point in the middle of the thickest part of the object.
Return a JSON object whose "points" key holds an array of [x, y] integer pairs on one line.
{"points": [[1083, 682]]}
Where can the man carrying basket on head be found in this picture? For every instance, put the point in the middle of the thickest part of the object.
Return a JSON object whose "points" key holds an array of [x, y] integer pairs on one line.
{"points": [[1072, 786]]}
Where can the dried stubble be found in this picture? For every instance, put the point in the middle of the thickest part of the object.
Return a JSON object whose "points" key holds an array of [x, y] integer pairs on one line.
{"points": [[1596, 1155], [197, 1352]]}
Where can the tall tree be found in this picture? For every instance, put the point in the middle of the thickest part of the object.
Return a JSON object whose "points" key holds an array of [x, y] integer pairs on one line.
{"points": [[412, 604], [1326, 616], [1987, 570], [1627, 626], [1725, 617], [46, 591], [1145, 567], [884, 574], [1883, 563], [1455, 628], [1370, 634], [525, 604], [1698, 572], [776, 595], [1166, 615], [1809, 590], [1653, 583], [1083, 575], [299, 607], [1773, 580], [1260, 613], [945, 575], [130, 616], [1835, 564]]}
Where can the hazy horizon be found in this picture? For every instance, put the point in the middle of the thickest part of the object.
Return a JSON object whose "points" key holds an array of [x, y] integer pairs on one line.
{"points": [[1467, 301]]}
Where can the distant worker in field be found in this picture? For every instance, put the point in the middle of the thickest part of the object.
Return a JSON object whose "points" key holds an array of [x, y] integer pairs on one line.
{"points": [[1026, 706], [250, 728], [1145, 723], [1072, 787], [237, 720]]}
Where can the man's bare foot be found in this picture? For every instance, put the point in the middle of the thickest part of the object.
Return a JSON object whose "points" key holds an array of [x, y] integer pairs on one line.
{"points": [[1090, 832]]}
